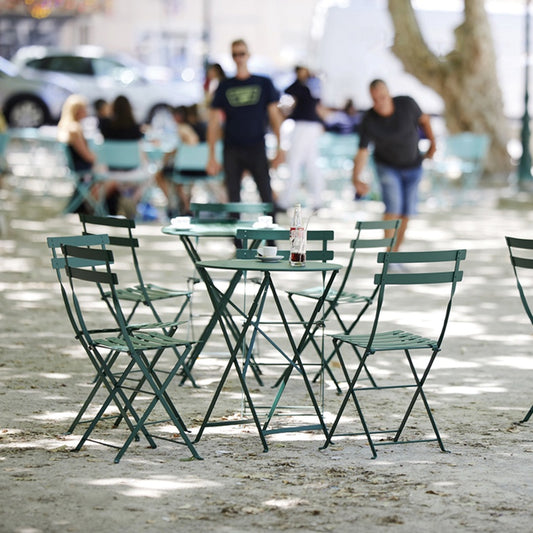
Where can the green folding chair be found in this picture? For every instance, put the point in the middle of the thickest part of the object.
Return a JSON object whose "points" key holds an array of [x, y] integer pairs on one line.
{"points": [[121, 236], [440, 269], [135, 370], [366, 239], [521, 254]]}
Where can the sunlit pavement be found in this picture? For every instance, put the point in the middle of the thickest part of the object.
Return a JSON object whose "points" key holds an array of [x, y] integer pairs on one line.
{"points": [[479, 388]]}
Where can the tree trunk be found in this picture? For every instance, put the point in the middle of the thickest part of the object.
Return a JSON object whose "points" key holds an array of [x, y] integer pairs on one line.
{"points": [[465, 78]]}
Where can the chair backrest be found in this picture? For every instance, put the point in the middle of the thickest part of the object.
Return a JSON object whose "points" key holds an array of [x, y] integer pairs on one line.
{"points": [[468, 146], [82, 260], [440, 267], [521, 254], [4, 140], [55, 243], [190, 161], [367, 238], [217, 212], [317, 243], [120, 154], [120, 234]]}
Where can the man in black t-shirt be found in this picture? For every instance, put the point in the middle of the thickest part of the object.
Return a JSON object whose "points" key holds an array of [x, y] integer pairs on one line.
{"points": [[392, 126], [244, 105]]}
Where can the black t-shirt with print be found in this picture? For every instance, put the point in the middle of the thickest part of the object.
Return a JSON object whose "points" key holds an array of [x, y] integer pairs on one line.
{"points": [[245, 103], [395, 137]]}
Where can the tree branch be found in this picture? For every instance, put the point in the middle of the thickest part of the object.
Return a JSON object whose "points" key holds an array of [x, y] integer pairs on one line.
{"points": [[411, 48]]}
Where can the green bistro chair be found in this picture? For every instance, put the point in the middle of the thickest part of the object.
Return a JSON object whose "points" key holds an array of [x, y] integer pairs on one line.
{"points": [[142, 294], [366, 239], [120, 232], [134, 369], [521, 254], [190, 162], [440, 269]]}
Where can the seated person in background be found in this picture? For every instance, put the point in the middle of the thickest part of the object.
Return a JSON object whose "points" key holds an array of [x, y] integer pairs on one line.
{"points": [[102, 108], [121, 125], [163, 177], [192, 118], [70, 132], [345, 120]]}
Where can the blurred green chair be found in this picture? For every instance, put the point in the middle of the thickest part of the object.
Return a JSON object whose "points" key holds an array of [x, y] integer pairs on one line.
{"points": [[227, 212], [521, 255], [461, 164], [421, 271]]}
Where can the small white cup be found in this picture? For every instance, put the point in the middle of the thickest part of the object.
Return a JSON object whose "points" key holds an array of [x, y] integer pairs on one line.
{"points": [[181, 222], [265, 221], [268, 251]]}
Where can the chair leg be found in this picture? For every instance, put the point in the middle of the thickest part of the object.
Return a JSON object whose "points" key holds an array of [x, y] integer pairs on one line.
{"points": [[528, 416], [346, 330], [161, 397], [351, 394], [420, 392]]}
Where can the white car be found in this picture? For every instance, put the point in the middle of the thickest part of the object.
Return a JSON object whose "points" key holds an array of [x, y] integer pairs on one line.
{"points": [[103, 75], [29, 101]]}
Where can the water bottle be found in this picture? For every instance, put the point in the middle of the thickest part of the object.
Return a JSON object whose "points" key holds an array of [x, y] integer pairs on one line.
{"points": [[297, 238]]}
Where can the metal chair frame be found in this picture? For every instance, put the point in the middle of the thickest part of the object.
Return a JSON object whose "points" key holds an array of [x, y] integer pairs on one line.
{"points": [[434, 267]]}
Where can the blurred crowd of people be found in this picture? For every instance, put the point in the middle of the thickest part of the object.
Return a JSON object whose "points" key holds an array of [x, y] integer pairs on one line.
{"points": [[115, 120], [238, 111]]}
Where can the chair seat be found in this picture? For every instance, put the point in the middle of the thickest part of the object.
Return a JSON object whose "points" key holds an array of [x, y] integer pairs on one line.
{"points": [[141, 341], [155, 292], [333, 295], [390, 340]]}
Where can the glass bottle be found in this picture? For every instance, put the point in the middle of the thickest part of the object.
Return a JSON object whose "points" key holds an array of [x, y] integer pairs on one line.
{"points": [[297, 238]]}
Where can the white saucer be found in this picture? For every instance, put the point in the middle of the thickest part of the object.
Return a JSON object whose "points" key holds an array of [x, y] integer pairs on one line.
{"points": [[257, 225], [273, 259], [180, 224]]}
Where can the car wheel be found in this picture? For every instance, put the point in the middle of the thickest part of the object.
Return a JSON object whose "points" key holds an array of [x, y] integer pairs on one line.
{"points": [[26, 112]]}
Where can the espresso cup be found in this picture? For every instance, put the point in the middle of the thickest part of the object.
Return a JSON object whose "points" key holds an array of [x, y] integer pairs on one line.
{"points": [[268, 251], [265, 221]]}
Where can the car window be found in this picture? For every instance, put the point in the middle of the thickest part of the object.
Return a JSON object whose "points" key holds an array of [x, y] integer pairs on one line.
{"points": [[67, 64], [106, 67], [118, 71]]}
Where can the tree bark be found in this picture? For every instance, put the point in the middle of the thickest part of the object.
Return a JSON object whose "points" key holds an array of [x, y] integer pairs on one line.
{"points": [[465, 78]]}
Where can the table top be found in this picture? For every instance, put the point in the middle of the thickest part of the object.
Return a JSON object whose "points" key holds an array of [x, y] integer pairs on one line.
{"points": [[262, 266], [209, 229]]}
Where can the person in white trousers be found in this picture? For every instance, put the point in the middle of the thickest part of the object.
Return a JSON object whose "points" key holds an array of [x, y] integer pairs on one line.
{"points": [[302, 157]]}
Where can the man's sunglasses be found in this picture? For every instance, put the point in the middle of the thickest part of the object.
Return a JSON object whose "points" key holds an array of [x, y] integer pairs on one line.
{"points": [[238, 54]]}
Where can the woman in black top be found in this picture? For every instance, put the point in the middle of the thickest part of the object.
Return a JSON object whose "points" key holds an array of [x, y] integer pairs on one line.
{"points": [[122, 124]]}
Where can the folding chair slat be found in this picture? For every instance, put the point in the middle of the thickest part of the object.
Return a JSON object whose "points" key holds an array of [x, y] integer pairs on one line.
{"points": [[416, 278], [92, 275]]}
